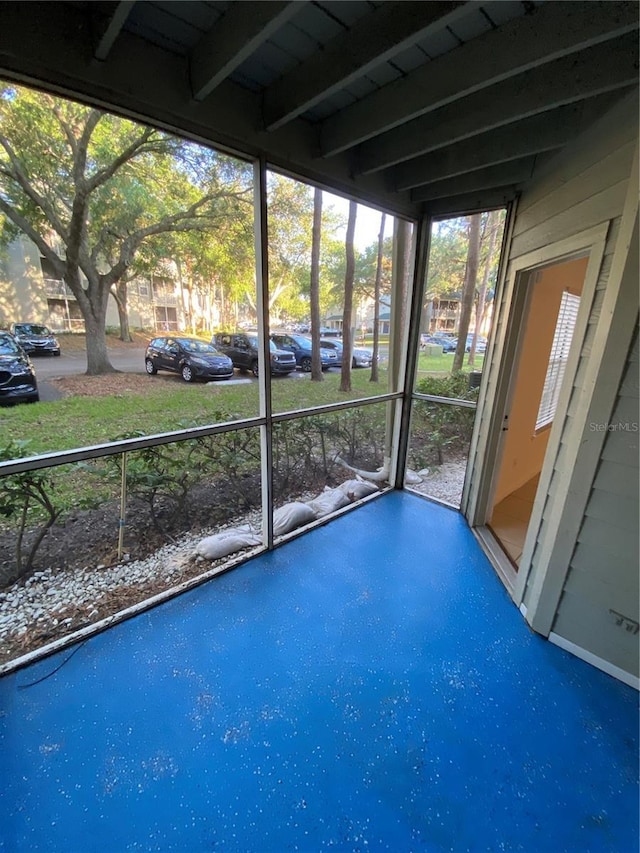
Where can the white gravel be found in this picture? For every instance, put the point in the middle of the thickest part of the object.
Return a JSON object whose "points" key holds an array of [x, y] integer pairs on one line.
{"points": [[70, 598], [444, 483]]}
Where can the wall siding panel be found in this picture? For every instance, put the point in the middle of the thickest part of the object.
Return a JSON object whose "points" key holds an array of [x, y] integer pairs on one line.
{"points": [[603, 574], [587, 186], [582, 620]]}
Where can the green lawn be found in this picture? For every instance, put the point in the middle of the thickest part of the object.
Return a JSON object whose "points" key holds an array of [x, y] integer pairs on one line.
{"points": [[165, 403]]}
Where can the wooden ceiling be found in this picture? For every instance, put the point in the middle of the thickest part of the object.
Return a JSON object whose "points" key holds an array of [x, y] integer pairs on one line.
{"points": [[412, 106]]}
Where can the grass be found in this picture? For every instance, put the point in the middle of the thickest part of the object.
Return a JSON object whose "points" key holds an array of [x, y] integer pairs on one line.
{"points": [[165, 403], [444, 362]]}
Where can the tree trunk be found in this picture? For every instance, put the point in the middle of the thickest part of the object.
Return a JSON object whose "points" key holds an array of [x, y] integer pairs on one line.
{"points": [[482, 295], [345, 379], [93, 305], [314, 287], [376, 304], [120, 295], [468, 290], [97, 356]]}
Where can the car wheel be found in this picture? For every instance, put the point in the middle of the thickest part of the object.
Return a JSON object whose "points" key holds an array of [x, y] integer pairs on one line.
{"points": [[35, 398], [254, 367], [354, 363], [150, 367], [305, 364], [56, 352], [187, 373]]}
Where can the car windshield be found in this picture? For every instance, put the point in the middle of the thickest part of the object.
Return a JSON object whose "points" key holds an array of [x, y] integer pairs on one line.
{"points": [[201, 347], [8, 346], [31, 329]]}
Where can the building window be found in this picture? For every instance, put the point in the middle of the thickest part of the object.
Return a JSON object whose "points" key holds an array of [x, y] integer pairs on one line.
{"points": [[558, 358]]}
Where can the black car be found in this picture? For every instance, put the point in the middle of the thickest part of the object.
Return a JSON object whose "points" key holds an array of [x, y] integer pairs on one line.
{"points": [[34, 338], [17, 377], [191, 358], [301, 349], [242, 349]]}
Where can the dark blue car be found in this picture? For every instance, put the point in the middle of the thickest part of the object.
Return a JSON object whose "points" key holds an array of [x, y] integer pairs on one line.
{"points": [[191, 358], [301, 348]]}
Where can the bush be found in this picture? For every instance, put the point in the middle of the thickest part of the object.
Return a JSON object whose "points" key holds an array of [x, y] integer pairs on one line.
{"points": [[437, 427], [26, 498]]}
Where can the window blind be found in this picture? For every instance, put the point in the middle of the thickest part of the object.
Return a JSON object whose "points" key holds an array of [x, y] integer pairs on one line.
{"points": [[563, 335]]}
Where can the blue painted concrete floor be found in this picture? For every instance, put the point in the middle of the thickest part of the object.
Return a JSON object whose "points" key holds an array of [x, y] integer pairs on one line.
{"points": [[368, 686]]}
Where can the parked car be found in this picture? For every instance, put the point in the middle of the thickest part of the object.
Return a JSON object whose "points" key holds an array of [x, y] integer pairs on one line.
{"points": [[34, 338], [360, 357], [18, 382], [190, 357], [242, 349], [447, 344], [301, 348], [481, 344]]}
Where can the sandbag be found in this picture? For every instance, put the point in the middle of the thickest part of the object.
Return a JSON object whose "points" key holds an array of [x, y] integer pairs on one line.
{"points": [[331, 500], [290, 516], [225, 543], [357, 489]]}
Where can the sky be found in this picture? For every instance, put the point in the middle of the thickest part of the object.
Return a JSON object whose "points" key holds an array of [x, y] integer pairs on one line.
{"points": [[367, 220]]}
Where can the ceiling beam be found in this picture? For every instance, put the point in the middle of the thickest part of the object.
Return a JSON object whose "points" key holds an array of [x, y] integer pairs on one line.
{"points": [[531, 136], [463, 205], [603, 68], [553, 30], [49, 45], [504, 174], [373, 40], [111, 30], [242, 29]]}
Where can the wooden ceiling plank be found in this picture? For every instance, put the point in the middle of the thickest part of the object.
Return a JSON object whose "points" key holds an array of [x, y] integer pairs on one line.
{"points": [[550, 32], [113, 29], [375, 39], [603, 68], [504, 174], [462, 205], [532, 136], [243, 28]]}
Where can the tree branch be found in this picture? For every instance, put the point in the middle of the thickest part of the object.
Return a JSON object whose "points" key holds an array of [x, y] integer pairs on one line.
{"points": [[66, 129], [129, 153], [33, 235], [82, 146], [16, 174]]}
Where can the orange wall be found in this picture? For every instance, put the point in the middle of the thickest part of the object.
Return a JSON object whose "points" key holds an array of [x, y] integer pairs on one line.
{"points": [[524, 451]]}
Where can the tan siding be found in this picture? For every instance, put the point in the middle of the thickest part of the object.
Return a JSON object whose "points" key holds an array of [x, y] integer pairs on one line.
{"points": [[578, 161], [596, 585], [599, 177], [598, 534], [617, 511], [586, 187], [619, 479], [603, 574], [590, 212], [591, 626]]}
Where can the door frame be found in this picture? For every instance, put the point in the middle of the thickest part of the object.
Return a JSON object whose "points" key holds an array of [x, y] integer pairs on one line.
{"points": [[488, 437]]}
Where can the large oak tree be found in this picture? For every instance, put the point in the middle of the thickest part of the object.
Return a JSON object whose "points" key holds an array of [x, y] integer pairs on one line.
{"points": [[90, 189]]}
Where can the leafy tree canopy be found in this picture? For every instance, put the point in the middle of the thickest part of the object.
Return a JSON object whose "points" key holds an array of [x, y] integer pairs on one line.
{"points": [[91, 189]]}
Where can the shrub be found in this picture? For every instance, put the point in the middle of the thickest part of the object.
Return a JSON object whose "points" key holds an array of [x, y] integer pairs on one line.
{"points": [[27, 498], [437, 427]]}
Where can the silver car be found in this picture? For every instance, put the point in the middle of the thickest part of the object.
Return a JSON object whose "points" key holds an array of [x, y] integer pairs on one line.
{"points": [[360, 357]]}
